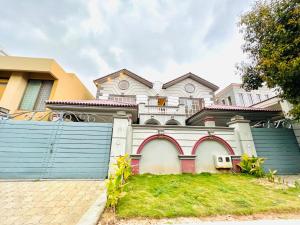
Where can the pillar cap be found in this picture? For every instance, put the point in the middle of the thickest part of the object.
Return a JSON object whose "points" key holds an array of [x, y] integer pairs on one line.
{"points": [[209, 118], [238, 119], [135, 156]]}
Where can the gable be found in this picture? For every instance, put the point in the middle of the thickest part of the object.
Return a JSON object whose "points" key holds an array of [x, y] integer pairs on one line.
{"points": [[112, 86], [179, 89], [193, 77], [119, 74]]}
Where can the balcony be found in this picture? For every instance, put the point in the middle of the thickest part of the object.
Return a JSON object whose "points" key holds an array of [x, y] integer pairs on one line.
{"points": [[161, 110]]}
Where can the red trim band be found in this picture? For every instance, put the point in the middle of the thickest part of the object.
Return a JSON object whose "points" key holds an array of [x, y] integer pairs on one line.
{"points": [[160, 136], [213, 138]]}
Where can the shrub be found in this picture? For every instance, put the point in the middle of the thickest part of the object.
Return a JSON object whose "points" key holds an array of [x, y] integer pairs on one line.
{"points": [[297, 184], [271, 175], [117, 180], [252, 165]]}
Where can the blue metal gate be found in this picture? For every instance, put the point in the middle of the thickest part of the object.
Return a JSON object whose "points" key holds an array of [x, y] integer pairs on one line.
{"points": [[54, 150], [280, 148]]}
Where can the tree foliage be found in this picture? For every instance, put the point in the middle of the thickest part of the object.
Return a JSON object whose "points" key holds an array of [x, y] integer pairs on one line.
{"points": [[271, 32]]}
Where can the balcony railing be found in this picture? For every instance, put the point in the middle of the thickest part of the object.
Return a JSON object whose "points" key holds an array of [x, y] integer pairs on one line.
{"points": [[165, 110]]}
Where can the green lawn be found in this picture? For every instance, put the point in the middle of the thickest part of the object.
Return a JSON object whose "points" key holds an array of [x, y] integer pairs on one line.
{"points": [[203, 195]]}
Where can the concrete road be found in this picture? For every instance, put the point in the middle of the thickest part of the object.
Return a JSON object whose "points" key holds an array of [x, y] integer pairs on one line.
{"points": [[254, 222]]}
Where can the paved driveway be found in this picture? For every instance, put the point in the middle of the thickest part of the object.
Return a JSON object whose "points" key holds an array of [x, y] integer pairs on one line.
{"points": [[46, 202]]}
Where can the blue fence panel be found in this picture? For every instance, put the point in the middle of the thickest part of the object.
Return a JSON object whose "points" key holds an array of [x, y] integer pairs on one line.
{"points": [[44, 150], [280, 148]]}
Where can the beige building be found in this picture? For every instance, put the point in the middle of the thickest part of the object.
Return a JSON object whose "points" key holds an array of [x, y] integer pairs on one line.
{"points": [[26, 83]]}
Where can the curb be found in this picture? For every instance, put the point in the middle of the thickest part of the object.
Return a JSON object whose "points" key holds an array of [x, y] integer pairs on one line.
{"points": [[91, 217]]}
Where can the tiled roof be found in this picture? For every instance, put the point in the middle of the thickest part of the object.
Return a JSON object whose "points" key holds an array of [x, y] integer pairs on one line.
{"points": [[96, 102], [238, 108], [233, 108]]}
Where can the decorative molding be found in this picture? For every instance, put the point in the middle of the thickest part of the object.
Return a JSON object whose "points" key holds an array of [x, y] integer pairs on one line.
{"points": [[135, 156], [213, 138], [187, 157], [160, 136]]}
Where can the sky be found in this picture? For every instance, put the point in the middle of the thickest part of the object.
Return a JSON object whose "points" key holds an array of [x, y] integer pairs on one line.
{"points": [[158, 40]]}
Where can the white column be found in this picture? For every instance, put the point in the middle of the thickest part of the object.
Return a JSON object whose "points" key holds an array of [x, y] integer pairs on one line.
{"points": [[296, 128], [209, 121], [119, 143], [242, 130]]}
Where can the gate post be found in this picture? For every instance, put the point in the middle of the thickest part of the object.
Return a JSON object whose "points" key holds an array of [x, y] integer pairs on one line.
{"points": [[296, 128], [243, 135], [119, 142]]}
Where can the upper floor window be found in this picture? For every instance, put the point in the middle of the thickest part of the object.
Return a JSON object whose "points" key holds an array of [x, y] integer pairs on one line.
{"points": [[192, 105], [266, 96], [241, 97], [223, 102], [250, 99], [229, 100], [123, 98], [258, 97], [35, 95], [3, 83]]}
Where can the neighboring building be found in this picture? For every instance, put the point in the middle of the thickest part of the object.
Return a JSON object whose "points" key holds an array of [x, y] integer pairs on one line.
{"points": [[159, 104], [26, 83], [235, 95]]}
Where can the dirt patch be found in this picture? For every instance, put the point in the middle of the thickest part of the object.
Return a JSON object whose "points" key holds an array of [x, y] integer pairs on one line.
{"points": [[108, 218]]}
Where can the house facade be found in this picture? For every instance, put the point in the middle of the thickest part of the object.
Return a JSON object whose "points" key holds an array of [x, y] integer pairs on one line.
{"points": [[235, 95], [166, 128], [26, 83], [174, 127], [159, 104]]}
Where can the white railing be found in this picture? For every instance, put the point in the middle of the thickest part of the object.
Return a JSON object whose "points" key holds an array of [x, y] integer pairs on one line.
{"points": [[166, 110]]}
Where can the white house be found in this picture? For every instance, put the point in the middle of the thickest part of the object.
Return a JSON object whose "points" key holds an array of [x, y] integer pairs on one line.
{"points": [[169, 103], [175, 127], [235, 95]]}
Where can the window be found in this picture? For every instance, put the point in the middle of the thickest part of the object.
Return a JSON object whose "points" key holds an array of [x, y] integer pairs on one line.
{"points": [[241, 97], [123, 98], [229, 100], [266, 96], [223, 102], [36, 93], [258, 97], [161, 101], [250, 99], [192, 105], [3, 83]]}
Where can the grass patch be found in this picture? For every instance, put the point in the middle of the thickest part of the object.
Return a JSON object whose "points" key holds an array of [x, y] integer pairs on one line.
{"points": [[202, 195]]}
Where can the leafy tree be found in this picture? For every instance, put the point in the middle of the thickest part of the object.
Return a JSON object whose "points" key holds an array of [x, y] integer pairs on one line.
{"points": [[271, 31]]}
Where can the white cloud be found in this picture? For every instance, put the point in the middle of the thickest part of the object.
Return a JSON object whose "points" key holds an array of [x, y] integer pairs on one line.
{"points": [[156, 39]]}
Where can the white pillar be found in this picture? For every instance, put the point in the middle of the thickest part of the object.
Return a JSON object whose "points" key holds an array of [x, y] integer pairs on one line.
{"points": [[242, 130], [296, 128], [209, 121], [119, 142]]}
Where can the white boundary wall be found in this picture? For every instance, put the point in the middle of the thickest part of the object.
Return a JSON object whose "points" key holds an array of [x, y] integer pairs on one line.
{"points": [[185, 136]]}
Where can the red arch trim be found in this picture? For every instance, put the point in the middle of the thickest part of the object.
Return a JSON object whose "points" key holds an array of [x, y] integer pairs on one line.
{"points": [[160, 136], [213, 138]]}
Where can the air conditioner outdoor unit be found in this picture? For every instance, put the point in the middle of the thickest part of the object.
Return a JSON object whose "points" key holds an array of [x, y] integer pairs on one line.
{"points": [[222, 161]]}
